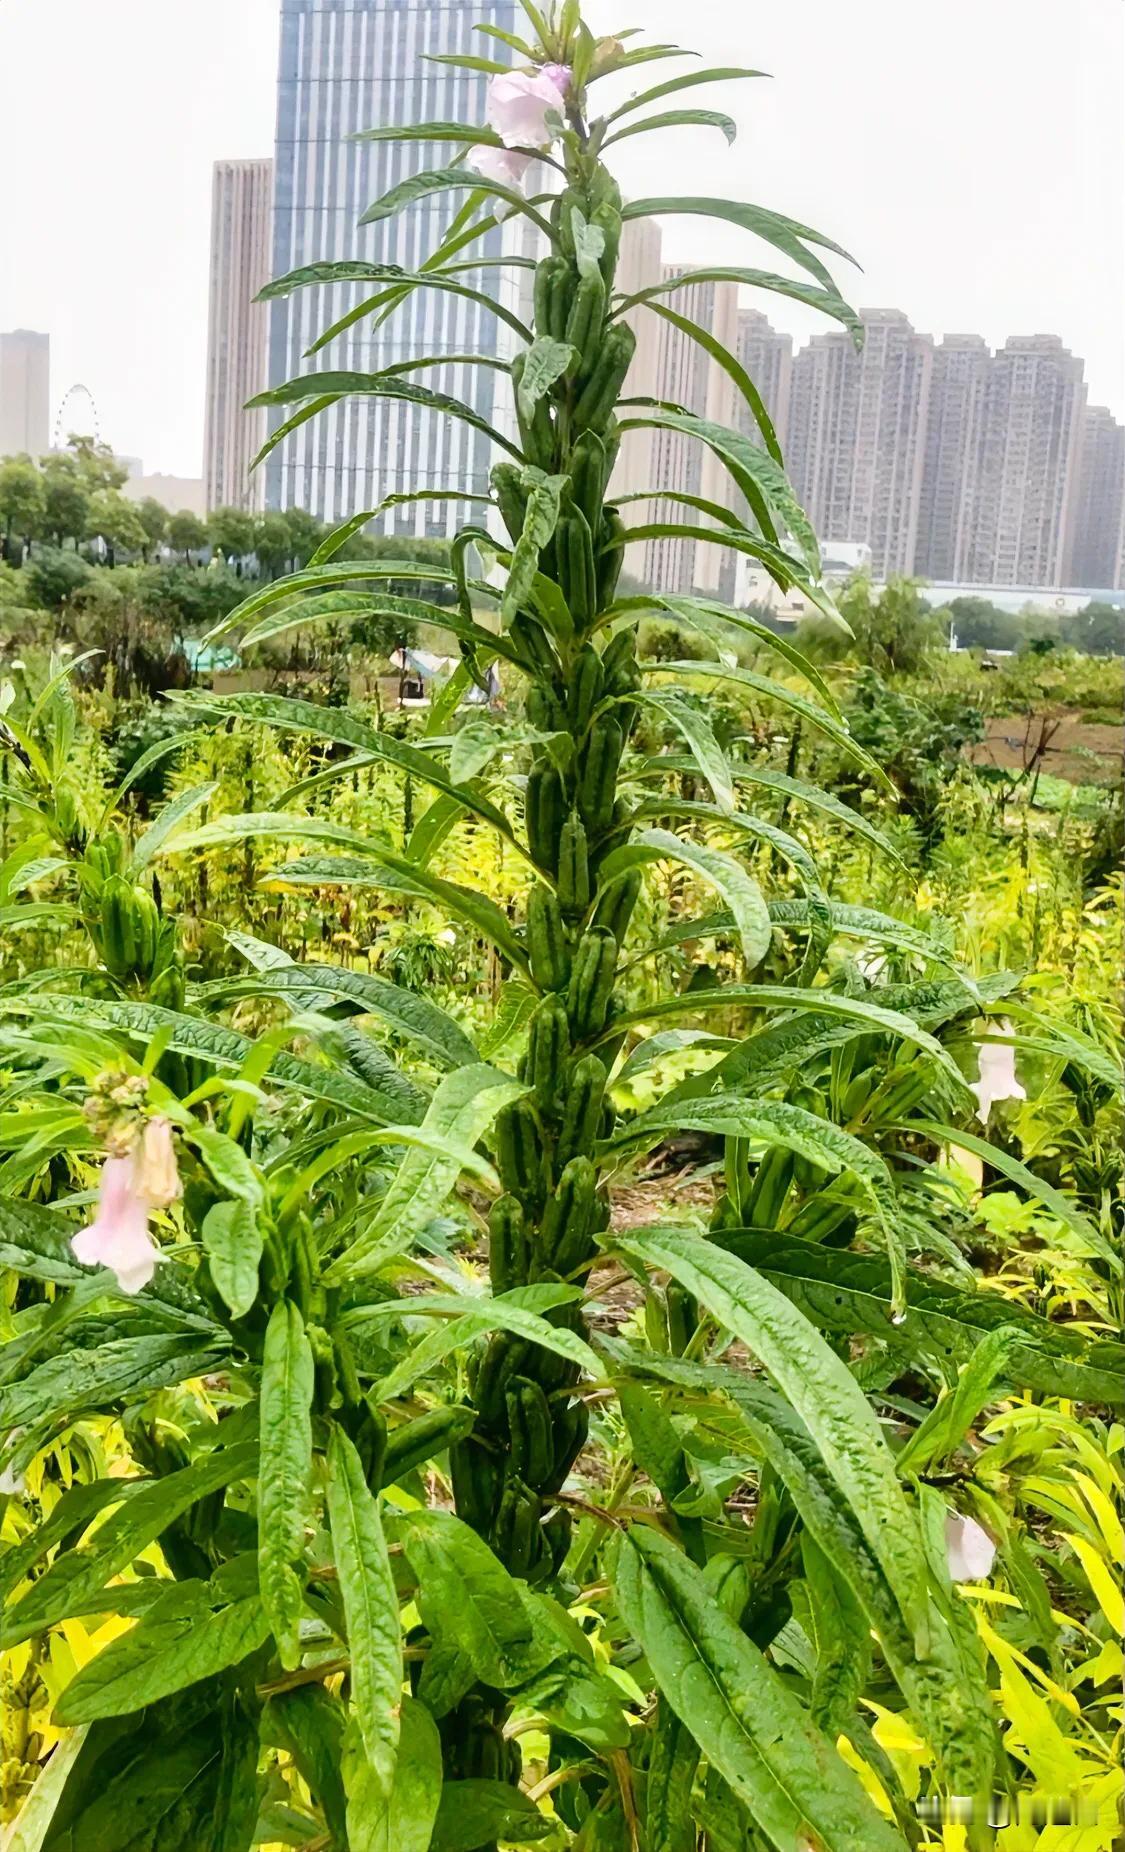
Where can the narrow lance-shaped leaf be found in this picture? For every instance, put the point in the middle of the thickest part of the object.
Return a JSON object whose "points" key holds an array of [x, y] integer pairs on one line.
{"points": [[284, 1475], [714, 867], [461, 1110], [178, 1642], [689, 719], [367, 1589], [822, 1390], [80, 1574], [789, 1777]]}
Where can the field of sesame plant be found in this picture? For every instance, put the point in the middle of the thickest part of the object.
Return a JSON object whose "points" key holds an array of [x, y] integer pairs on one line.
{"points": [[561, 1260]]}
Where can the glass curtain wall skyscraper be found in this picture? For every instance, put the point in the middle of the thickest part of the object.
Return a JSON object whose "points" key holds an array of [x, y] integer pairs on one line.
{"points": [[346, 66]]}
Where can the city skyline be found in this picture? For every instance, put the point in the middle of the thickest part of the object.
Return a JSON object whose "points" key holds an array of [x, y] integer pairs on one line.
{"points": [[991, 227]]}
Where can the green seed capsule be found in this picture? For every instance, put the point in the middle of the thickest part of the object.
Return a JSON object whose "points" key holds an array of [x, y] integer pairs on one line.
{"points": [[573, 869], [581, 1110], [548, 945], [592, 976]]}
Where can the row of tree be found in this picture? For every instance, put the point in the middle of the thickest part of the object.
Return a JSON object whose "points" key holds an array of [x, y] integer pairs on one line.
{"points": [[72, 500]]}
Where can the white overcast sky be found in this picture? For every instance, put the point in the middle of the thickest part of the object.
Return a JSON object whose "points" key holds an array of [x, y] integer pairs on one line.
{"points": [[969, 152]]}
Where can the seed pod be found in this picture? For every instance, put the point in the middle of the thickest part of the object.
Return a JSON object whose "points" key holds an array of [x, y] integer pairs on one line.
{"points": [[545, 812], [547, 277], [610, 556], [588, 476], [607, 218], [582, 1108], [476, 1475], [585, 322], [547, 943], [519, 1155], [548, 1048], [545, 710], [557, 1530], [615, 904], [592, 976], [568, 1217], [598, 398], [536, 649], [571, 1432], [507, 1245], [502, 1357], [771, 1187], [573, 869], [575, 551], [417, 1441], [515, 1530], [597, 777], [586, 682], [537, 433], [529, 1423]]}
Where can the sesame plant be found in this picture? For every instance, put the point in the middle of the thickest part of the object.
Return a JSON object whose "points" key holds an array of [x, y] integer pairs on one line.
{"points": [[627, 1536]]}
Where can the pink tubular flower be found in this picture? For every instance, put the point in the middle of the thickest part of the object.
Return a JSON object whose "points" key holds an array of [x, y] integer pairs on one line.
{"points": [[503, 165], [560, 75], [997, 1075], [518, 103], [970, 1549], [158, 1179], [131, 1187]]}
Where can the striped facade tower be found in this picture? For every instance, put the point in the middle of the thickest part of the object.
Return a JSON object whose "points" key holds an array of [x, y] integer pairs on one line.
{"points": [[345, 66]]}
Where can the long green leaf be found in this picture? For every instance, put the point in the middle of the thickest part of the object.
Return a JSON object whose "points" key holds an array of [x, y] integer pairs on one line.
{"points": [[284, 1475], [824, 297], [178, 1642], [784, 234], [954, 1712], [677, 119], [444, 180], [367, 1589], [166, 823], [81, 1574], [689, 719], [466, 1594], [715, 75], [403, 1820], [519, 1311], [1010, 1167], [714, 867], [846, 1293], [878, 1018], [775, 691], [461, 1110], [410, 1015], [82, 1380], [398, 874], [750, 1727], [819, 1386], [225, 1049]]}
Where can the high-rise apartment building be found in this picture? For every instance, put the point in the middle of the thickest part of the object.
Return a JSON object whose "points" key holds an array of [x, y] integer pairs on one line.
{"points": [[682, 465], [857, 424], [346, 66], [1031, 448], [767, 355], [1099, 507], [952, 458], [25, 392], [237, 331]]}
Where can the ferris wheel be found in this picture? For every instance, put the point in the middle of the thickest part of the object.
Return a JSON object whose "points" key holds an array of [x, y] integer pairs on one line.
{"points": [[77, 412]]}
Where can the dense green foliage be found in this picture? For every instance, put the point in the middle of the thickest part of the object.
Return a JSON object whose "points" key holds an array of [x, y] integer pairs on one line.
{"points": [[608, 1198]]}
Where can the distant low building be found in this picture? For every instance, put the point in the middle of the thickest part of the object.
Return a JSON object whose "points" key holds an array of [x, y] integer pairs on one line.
{"points": [[179, 494], [1059, 601]]}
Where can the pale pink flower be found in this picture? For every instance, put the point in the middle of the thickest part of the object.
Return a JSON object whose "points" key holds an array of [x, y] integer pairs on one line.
{"points": [[518, 103], [157, 1175], [970, 1549], [504, 165], [560, 75], [118, 1237], [997, 1076]]}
